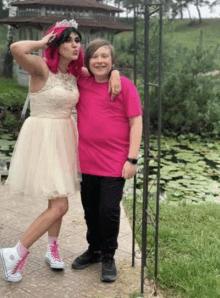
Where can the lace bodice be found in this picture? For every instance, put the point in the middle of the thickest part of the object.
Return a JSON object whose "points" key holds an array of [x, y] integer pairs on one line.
{"points": [[56, 99]]}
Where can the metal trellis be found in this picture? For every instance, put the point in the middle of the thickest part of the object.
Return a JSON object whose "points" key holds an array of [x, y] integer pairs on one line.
{"points": [[150, 218]]}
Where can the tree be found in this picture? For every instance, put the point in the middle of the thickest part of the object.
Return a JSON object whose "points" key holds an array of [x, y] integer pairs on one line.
{"points": [[118, 4], [8, 58], [198, 4], [178, 6], [3, 12], [213, 4]]}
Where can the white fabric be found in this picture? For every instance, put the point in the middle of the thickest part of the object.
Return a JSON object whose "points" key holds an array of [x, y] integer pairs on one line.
{"points": [[45, 160]]}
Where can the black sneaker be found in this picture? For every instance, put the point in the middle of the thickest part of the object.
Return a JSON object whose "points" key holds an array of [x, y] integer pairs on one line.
{"points": [[86, 259], [109, 272]]}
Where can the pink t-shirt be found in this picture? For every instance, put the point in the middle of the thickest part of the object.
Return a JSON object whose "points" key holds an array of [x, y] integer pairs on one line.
{"points": [[103, 126]]}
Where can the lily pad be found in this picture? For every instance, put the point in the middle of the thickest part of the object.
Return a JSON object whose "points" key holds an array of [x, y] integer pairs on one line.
{"points": [[213, 156], [8, 136], [4, 148], [6, 142], [168, 156], [209, 198], [6, 158], [188, 157]]}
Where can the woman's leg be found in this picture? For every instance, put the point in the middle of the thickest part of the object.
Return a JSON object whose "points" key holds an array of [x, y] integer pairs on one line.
{"points": [[45, 221], [13, 259], [52, 256], [54, 230]]}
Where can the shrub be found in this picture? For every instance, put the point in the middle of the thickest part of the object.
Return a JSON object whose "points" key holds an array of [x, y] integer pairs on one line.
{"points": [[11, 104], [190, 103]]}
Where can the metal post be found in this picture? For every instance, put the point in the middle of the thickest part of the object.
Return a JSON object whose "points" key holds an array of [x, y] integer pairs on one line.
{"points": [[146, 148], [135, 43], [134, 188], [134, 226], [159, 140]]}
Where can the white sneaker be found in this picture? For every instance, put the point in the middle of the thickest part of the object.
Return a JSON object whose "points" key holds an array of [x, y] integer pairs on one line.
{"points": [[52, 257], [11, 262]]}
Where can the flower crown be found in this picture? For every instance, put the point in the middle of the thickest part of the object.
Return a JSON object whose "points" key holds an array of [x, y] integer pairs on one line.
{"points": [[65, 23]]}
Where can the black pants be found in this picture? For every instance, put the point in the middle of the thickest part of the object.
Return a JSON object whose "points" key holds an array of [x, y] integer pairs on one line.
{"points": [[101, 198]]}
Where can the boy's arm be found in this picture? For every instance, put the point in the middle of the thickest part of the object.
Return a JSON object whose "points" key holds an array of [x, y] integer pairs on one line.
{"points": [[129, 169]]}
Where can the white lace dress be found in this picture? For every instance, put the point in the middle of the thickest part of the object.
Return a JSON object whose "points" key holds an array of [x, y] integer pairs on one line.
{"points": [[45, 160]]}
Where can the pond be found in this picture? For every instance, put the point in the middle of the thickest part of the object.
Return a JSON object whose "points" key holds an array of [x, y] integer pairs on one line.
{"points": [[190, 168]]}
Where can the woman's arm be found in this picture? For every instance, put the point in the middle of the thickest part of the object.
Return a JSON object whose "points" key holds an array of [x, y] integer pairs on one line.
{"points": [[114, 83], [129, 170], [33, 64]]}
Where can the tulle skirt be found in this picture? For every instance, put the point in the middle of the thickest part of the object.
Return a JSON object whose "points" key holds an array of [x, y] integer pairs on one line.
{"points": [[45, 160]]}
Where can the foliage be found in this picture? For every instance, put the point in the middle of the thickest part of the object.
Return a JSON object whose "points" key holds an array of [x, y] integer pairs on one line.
{"points": [[125, 51], [124, 47], [12, 98], [190, 102]]}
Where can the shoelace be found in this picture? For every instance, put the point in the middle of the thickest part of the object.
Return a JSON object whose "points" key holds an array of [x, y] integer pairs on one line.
{"points": [[55, 253], [20, 264]]}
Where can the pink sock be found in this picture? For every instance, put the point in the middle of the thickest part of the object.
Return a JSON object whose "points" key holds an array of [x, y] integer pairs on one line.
{"points": [[22, 251], [52, 240]]}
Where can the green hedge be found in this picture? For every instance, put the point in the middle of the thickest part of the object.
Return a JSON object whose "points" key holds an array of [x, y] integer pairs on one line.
{"points": [[12, 98]]}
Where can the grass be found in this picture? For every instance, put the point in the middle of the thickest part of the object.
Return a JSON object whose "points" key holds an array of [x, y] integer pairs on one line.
{"points": [[7, 85], [189, 35], [11, 93], [189, 249], [189, 241]]}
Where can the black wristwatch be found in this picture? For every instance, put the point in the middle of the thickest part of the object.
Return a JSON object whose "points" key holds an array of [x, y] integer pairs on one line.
{"points": [[132, 160]]}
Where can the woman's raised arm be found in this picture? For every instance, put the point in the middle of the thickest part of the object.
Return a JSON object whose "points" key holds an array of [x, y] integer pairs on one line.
{"points": [[33, 64]]}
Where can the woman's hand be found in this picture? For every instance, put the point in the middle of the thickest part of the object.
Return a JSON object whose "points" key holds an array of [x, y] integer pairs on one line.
{"points": [[85, 71], [129, 170], [48, 39], [114, 83]]}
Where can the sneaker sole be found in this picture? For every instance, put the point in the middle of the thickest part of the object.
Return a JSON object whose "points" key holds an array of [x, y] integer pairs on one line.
{"points": [[54, 267], [4, 269], [109, 280], [81, 267]]}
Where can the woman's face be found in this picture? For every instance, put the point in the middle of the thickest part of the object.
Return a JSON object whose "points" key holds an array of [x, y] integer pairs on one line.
{"points": [[100, 64], [69, 50]]}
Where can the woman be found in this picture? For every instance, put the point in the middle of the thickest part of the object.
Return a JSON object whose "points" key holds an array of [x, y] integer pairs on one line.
{"points": [[109, 140], [44, 162]]}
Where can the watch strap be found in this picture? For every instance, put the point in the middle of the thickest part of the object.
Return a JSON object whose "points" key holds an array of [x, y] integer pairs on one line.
{"points": [[132, 160]]}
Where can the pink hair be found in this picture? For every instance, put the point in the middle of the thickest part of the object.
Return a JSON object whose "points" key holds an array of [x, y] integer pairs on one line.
{"points": [[53, 57]]}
